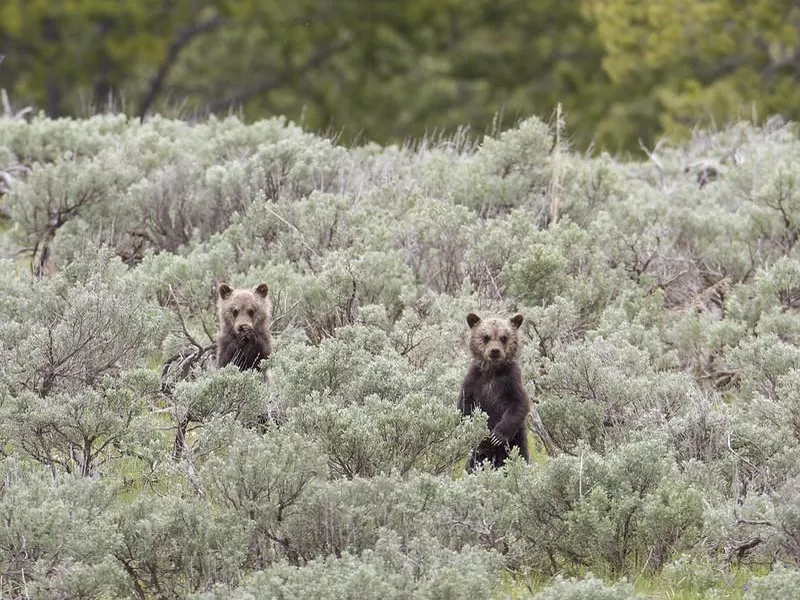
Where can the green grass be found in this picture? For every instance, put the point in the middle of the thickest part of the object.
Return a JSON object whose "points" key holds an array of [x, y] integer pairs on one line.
{"points": [[728, 585]]}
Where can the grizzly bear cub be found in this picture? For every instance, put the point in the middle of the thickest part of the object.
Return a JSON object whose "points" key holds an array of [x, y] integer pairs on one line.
{"points": [[494, 384], [244, 321]]}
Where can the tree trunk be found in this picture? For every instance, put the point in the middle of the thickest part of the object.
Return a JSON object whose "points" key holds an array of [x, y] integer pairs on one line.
{"points": [[53, 87]]}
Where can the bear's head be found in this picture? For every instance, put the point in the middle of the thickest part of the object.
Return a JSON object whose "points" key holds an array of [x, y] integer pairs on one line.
{"points": [[244, 312], [493, 341]]}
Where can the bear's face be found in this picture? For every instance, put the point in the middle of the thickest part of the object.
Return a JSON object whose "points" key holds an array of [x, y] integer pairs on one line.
{"points": [[493, 341], [243, 312]]}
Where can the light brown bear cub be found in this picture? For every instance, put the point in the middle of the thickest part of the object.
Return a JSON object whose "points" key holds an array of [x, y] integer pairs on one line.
{"points": [[494, 384], [244, 321]]}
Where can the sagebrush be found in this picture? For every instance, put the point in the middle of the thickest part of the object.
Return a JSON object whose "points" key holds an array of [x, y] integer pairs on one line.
{"points": [[660, 346]]}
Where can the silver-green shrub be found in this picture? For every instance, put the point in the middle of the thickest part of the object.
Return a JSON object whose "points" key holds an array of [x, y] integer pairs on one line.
{"points": [[395, 568], [56, 534], [660, 346], [588, 588]]}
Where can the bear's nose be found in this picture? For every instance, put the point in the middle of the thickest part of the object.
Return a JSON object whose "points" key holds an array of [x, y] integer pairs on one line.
{"points": [[494, 353], [244, 327]]}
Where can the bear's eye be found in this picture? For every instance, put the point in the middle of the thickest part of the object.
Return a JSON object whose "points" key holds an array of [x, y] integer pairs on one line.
{"points": [[503, 339], [235, 312], [486, 339], [250, 312]]}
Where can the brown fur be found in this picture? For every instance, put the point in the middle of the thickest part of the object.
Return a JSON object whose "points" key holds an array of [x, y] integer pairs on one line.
{"points": [[244, 321], [494, 384]]}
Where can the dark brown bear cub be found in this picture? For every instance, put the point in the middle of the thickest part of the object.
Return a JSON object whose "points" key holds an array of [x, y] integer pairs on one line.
{"points": [[244, 321], [494, 384]]}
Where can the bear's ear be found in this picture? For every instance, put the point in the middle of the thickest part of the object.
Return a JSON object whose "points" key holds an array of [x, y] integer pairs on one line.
{"points": [[224, 290], [516, 320], [262, 289], [472, 320]]}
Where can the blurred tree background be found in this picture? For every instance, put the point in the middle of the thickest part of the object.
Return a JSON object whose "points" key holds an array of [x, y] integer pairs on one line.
{"points": [[625, 71]]}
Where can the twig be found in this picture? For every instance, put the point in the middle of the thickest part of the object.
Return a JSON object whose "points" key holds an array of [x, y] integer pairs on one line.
{"points": [[742, 548], [554, 188], [188, 335], [651, 155], [317, 59], [302, 240], [494, 283], [8, 111], [739, 456], [182, 40], [751, 522]]}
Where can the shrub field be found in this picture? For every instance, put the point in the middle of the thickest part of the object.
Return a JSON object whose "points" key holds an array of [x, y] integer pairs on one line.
{"points": [[661, 348]]}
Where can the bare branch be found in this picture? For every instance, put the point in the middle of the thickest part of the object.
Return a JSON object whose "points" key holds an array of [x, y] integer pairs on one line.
{"points": [[554, 187], [185, 329], [318, 58], [736, 552], [749, 522], [777, 65], [178, 44]]}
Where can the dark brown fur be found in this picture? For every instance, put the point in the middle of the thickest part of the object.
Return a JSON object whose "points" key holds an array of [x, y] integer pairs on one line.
{"points": [[244, 320], [494, 384]]}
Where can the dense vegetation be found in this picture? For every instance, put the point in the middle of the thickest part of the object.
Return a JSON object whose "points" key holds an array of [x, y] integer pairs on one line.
{"points": [[661, 347], [625, 70]]}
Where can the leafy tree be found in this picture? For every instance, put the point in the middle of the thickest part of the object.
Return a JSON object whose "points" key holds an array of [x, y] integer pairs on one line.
{"points": [[678, 63], [347, 66]]}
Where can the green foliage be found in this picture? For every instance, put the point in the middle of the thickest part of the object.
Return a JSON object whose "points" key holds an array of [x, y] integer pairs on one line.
{"points": [[624, 73], [466, 62], [708, 61], [88, 321]]}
